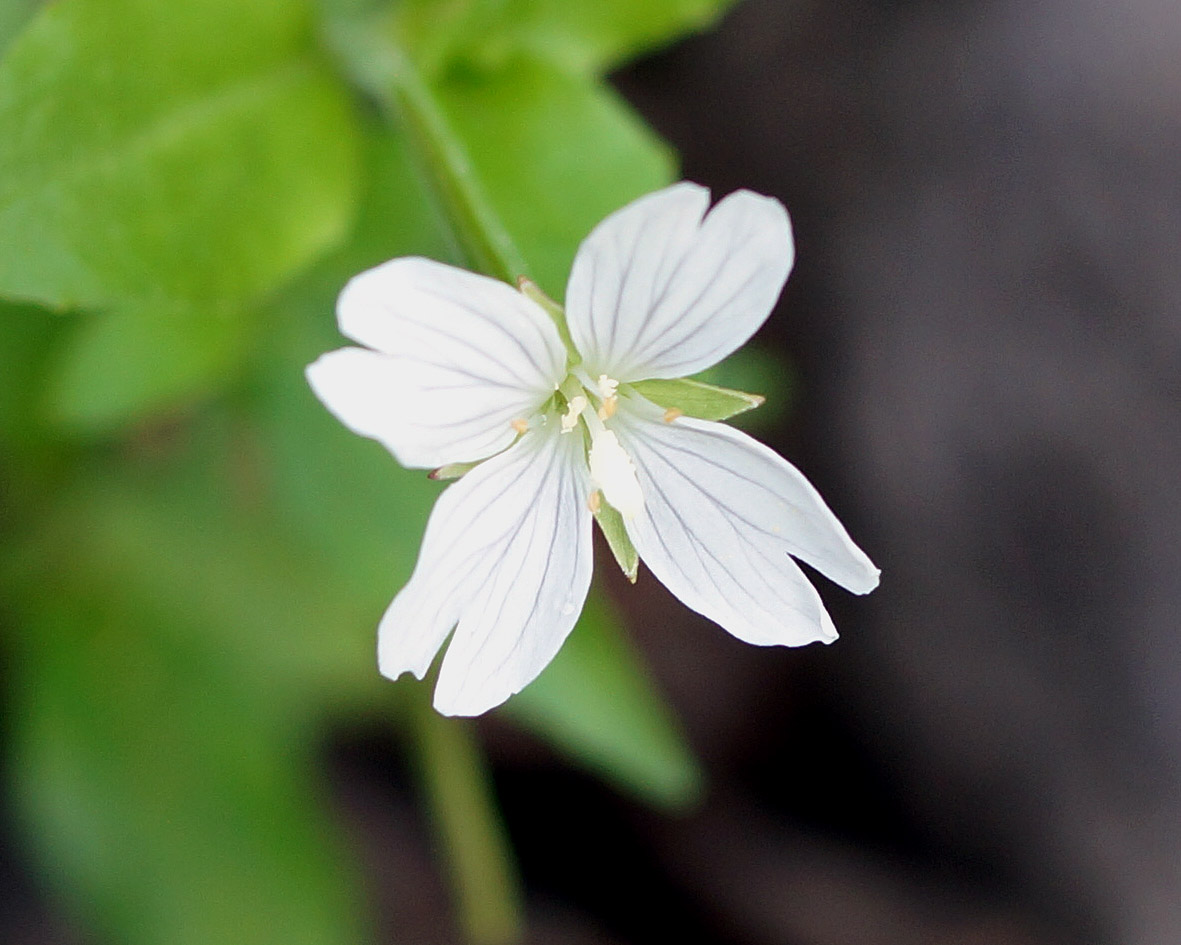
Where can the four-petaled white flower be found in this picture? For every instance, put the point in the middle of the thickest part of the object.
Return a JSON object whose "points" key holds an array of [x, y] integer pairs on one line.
{"points": [[459, 368]]}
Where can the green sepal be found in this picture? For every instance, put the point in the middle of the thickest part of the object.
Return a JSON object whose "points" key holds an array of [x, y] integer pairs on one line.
{"points": [[611, 524], [697, 399], [452, 471]]}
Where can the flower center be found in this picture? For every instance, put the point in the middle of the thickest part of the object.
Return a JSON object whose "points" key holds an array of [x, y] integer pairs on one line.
{"points": [[611, 469]]}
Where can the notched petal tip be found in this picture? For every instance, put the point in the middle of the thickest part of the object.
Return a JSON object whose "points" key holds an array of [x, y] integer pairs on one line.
{"points": [[394, 668], [872, 578], [663, 289], [765, 220], [468, 705], [504, 570], [861, 576], [466, 357], [724, 516], [318, 369]]}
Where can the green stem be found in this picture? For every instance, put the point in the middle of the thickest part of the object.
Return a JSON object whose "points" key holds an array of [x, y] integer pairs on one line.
{"points": [[453, 770], [459, 792], [376, 64], [557, 314]]}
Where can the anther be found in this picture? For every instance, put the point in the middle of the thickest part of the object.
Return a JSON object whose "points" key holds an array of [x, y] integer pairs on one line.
{"points": [[520, 425], [607, 386], [573, 410], [594, 502], [672, 413]]}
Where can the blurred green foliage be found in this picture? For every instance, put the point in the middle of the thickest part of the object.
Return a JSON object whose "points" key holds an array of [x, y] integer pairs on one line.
{"points": [[193, 553]]}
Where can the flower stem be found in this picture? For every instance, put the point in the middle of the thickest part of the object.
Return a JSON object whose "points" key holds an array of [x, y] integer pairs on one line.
{"points": [[531, 290], [375, 62], [452, 767], [459, 792]]}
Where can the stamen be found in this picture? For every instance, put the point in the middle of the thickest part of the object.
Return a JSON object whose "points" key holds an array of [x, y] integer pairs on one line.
{"points": [[608, 386], [607, 411], [672, 413], [594, 502], [575, 407], [521, 426]]}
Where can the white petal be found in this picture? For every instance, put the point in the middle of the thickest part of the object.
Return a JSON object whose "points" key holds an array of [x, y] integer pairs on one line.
{"points": [[507, 555], [655, 291], [367, 392], [466, 356], [722, 513]]}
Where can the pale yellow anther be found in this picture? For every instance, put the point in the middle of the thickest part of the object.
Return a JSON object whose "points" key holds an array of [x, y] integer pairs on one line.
{"points": [[594, 502], [608, 386], [672, 413], [573, 410], [520, 425], [607, 411]]}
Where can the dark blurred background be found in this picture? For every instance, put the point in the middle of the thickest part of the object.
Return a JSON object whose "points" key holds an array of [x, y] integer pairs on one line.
{"points": [[984, 323]]}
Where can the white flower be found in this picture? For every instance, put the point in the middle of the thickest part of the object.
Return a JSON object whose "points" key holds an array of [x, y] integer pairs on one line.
{"points": [[458, 368]]}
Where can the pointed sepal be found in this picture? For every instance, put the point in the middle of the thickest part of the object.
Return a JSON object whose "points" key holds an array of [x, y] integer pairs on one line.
{"points": [[686, 397], [613, 529], [451, 471]]}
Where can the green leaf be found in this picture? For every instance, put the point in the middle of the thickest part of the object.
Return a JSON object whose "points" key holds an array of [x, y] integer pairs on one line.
{"points": [[152, 789], [175, 163], [506, 149], [612, 527], [155, 754], [582, 35], [13, 16], [344, 495], [30, 338], [697, 399], [196, 151], [28, 342], [123, 364], [596, 704], [528, 128]]}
